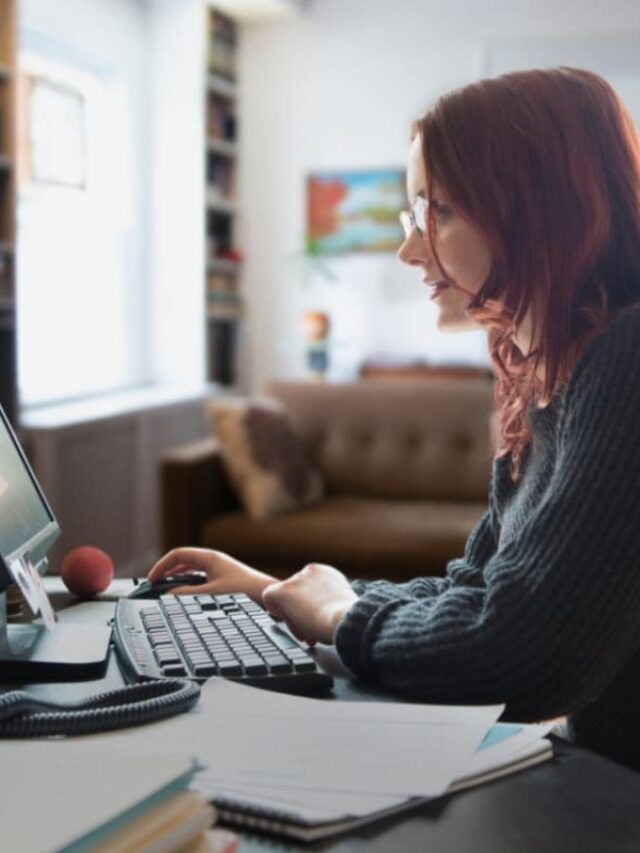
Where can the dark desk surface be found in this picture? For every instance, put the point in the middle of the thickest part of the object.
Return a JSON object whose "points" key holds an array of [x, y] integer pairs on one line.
{"points": [[576, 803]]}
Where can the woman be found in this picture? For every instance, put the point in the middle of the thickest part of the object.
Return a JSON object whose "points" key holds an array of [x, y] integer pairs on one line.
{"points": [[525, 219]]}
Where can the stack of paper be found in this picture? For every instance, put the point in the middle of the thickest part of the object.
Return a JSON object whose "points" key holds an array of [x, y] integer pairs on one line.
{"points": [[312, 767], [348, 763]]}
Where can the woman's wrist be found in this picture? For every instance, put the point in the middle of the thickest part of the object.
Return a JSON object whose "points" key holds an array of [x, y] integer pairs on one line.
{"points": [[258, 582], [338, 617]]}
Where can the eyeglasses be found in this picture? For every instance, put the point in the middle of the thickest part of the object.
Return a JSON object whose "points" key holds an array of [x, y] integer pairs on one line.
{"points": [[415, 217]]}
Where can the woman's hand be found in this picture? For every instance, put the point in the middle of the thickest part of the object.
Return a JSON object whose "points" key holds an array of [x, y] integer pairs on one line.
{"points": [[224, 574], [312, 602]]}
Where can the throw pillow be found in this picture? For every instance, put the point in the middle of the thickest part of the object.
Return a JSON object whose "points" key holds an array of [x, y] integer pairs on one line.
{"points": [[264, 458]]}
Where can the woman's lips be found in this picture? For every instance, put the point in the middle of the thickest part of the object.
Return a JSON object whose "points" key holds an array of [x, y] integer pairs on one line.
{"points": [[436, 287]]}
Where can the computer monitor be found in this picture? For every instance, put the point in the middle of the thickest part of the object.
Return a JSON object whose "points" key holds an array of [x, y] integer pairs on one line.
{"points": [[28, 529]]}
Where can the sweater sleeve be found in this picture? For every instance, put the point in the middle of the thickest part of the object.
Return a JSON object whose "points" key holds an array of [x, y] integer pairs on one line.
{"points": [[557, 614]]}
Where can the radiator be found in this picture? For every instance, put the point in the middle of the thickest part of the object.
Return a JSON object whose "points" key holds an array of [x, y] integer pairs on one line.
{"points": [[98, 465]]}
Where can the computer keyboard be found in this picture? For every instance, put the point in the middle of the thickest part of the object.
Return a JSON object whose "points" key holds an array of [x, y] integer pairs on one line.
{"points": [[197, 636]]}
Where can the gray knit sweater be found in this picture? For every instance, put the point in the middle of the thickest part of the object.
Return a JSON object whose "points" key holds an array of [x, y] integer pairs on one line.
{"points": [[543, 610]]}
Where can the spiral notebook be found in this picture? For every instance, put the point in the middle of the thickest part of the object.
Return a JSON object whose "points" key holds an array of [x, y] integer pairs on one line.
{"points": [[506, 749]]}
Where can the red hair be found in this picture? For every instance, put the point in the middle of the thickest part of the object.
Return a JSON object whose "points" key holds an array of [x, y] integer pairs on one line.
{"points": [[546, 163]]}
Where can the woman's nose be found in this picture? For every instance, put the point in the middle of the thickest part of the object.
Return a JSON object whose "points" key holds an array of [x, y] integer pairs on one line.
{"points": [[412, 250]]}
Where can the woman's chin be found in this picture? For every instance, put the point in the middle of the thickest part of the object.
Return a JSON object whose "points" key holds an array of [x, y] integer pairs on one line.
{"points": [[455, 321]]}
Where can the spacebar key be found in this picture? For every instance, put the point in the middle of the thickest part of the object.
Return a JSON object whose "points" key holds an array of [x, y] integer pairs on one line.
{"points": [[282, 641]]}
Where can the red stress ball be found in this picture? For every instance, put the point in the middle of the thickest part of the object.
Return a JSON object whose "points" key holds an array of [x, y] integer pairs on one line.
{"points": [[87, 571]]}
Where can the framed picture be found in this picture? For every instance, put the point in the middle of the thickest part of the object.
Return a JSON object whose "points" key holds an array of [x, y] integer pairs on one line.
{"points": [[354, 211], [56, 133]]}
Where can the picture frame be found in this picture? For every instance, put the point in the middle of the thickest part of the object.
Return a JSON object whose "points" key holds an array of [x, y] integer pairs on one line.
{"points": [[354, 211]]}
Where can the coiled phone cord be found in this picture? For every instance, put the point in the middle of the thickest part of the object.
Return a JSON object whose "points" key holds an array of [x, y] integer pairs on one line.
{"points": [[23, 715]]}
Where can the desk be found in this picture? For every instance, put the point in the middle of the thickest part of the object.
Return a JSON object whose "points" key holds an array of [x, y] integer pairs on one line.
{"points": [[576, 803]]}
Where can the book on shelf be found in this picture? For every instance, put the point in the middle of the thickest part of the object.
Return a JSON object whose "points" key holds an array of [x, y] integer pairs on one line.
{"points": [[221, 148], [221, 282], [221, 332], [216, 200], [229, 267], [221, 53], [221, 119], [220, 174], [224, 306]]}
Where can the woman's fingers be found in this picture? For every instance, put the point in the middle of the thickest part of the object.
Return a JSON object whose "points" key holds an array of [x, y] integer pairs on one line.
{"points": [[271, 600], [208, 588], [183, 590], [175, 561]]}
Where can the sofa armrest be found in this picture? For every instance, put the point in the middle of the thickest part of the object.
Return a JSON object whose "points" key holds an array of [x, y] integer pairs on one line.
{"points": [[193, 488]]}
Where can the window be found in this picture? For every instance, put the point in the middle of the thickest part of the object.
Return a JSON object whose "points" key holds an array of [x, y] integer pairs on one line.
{"points": [[81, 288]]}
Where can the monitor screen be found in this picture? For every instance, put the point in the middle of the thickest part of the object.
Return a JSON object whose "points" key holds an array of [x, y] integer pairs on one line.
{"points": [[27, 524]]}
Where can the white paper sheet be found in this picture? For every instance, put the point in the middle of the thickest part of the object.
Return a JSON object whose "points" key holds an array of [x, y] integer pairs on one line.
{"points": [[523, 742], [364, 747]]}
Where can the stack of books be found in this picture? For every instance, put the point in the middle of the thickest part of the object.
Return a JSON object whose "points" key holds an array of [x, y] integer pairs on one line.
{"points": [[91, 800]]}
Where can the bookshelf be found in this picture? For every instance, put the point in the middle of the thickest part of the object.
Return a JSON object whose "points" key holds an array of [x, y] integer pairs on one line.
{"points": [[223, 260], [8, 65]]}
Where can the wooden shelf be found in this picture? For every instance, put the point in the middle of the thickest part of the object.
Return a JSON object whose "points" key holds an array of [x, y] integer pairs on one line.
{"points": [[231, 315], [218, 203], [6, 163], [222, 265], [5, 73], [221, 86], [222, 303], [6, 247], [222, 146]]}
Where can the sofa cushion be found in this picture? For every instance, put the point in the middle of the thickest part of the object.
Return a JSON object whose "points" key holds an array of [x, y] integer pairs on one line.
{"points": [[264, 458], [360, 536], [426, 440]]}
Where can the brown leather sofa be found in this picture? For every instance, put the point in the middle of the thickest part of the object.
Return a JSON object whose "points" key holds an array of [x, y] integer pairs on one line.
{"points": [[406, 466]]}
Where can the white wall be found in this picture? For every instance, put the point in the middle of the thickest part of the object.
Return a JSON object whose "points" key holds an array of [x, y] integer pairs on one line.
{"points": [[176, 263], [337, 88]]}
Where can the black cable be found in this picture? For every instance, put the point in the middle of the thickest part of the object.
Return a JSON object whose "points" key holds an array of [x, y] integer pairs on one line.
{"points": [[23, 715]]}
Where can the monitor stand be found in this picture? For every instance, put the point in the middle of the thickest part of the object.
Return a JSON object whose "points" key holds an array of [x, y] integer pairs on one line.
{"points": [[30, 653]]}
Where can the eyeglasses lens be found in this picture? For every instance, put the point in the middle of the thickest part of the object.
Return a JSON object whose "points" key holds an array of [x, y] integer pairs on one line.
{"points": [[419, 210], [407, 222]]}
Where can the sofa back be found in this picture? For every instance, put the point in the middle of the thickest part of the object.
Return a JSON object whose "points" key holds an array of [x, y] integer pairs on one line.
{"points": [[422, 439]]}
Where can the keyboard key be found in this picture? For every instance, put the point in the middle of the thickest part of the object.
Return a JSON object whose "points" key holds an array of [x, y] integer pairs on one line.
{"points": [[278, 663], [199, 654], [169, 657], [174, 669], [228, 668], [275, 658], [204, 669], [281, 640], [258, 668], [304, 665]]}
